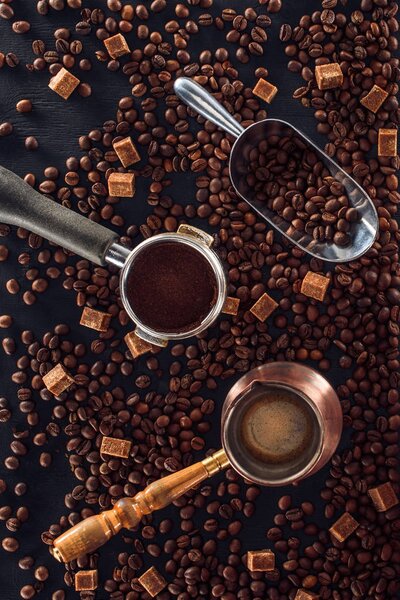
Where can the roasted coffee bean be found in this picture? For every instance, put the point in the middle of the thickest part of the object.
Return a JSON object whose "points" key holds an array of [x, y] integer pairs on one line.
{"points": [[6, 128], [27, 592], [26, 562], [12, 59], [6, 11], [285, 32], [38, 47], [24, 106], [9, 544], [41, 573], [21, 26], [31, 143]]}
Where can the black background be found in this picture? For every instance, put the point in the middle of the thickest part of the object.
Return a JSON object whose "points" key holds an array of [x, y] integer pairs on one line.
{"points": [[57, 125]]}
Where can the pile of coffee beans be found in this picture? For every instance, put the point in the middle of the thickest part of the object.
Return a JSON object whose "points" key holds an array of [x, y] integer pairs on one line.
{"points": [[165, 402], [362, 41], [288, 175]]}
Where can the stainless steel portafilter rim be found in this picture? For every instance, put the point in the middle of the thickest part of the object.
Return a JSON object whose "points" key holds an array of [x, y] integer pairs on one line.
{"points": [[363, 233]]}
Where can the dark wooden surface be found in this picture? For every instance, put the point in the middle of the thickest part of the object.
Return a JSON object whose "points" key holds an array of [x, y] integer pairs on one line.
{"points": [[57, 125]]}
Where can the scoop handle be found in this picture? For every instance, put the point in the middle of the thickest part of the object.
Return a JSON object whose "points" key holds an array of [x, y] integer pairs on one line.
{"points": [[195, 96], [23, 206]]}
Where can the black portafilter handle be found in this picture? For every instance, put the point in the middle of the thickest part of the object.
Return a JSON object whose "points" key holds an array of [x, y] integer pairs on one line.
{"points": [[23, 206]]}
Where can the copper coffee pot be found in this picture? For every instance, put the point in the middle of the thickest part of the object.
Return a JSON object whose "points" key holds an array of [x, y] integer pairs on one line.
{"points": [[93, 532]]}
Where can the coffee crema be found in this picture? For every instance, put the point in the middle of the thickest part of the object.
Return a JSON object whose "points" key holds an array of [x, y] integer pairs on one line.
{"points": [[171, 287], [277, 427]]}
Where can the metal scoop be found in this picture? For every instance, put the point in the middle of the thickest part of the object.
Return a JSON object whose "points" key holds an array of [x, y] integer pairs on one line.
{"points": [[362, 233]]}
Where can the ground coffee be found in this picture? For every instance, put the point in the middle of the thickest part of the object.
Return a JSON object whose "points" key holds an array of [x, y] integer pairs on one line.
{"points": [[171, 287]]}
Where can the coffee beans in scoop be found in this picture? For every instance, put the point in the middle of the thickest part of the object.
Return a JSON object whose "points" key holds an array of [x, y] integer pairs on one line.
{"points": [[291, 179]]}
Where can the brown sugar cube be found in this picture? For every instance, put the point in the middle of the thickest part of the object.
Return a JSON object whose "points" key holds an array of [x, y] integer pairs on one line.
{"points": [[383, 497], [343, 527], [328, 76], [126, 152], [95, 319], [115, 447], [136, 345], [387, 142], [57, 380], [121, 184], [86, 580], [314, 285], [305, 595], [265, 90], [152, 581], [260, 560], [374, 99], [64, 83], [263, 307], [116, 45], [231, 306]]}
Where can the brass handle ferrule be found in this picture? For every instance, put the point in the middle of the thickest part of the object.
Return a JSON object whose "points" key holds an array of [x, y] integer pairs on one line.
{"points": [[216, 462]]}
